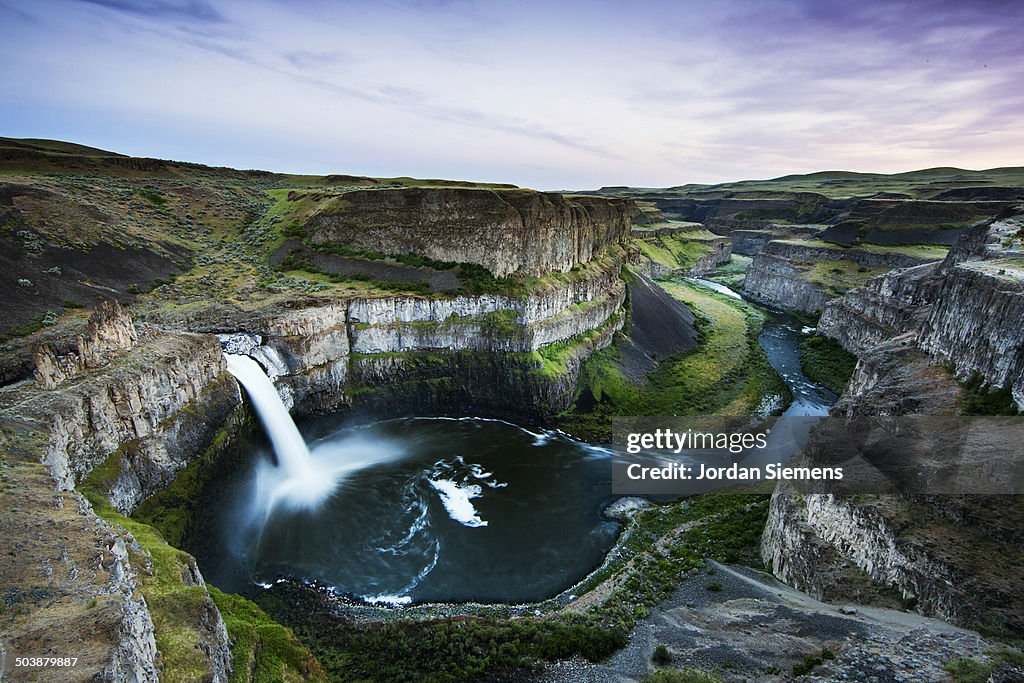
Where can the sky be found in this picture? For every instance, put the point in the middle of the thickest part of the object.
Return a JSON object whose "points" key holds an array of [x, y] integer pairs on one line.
{"points": [[563, 94]]}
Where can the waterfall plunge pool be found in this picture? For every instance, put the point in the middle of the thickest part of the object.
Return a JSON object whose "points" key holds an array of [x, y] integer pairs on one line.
{"points": [[424, 510]]}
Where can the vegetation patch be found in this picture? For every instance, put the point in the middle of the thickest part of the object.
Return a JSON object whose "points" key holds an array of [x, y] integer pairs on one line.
{"points": [[263, 650], [807, 664], [664, 546], [689, 675], [971, 670], [726, 374], [827, 363], [980, 398], [678, 252]]}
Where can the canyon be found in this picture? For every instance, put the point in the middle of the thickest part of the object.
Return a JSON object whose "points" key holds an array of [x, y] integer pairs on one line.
{"points": [[378, 298]]}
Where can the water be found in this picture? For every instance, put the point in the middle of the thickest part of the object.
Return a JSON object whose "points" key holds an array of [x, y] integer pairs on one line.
{"points": [[780, 338], [431, 509], [289, 446], [299, 481], [720, 288]]}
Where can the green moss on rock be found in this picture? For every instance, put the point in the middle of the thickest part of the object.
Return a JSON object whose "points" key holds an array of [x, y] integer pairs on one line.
{"points": [[263, 650]]}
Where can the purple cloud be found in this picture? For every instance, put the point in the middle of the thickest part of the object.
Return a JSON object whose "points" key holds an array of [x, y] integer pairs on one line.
{"points": [[556, 95]]}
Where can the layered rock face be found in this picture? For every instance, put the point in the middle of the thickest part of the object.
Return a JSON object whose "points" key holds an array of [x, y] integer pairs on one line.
{"points": [[69, 580], [325, 357], [772, 279], [750, 242], [965, 310], [894, 219], [885, 307], [808, 541], [975, 323], [907, 327], [132, 417], [778, 275], [110, 330], [506, 231], [160, 404]]}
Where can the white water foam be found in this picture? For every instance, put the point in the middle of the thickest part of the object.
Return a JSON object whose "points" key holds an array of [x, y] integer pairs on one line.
{"points": [[456, 499], [451, 481]]}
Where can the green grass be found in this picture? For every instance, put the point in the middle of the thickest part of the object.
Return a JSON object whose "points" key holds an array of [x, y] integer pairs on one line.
{"points": [[825, 362], [971, 670], [980, 398], [263, 650], [839, 277], [689, 675], [679, 251], [809, 662], [726, 374]]}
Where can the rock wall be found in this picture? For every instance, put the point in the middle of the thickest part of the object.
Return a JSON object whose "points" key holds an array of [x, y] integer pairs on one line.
{"points": [[160, 405], [750, 242], [976, 324], [807, 538], [323, 357], [885, 307], [774, 280], [109, 331], [776, 275], [126, 428], [964, 310], [68, 581], [506, 231], [516, 386], [897, 378]]}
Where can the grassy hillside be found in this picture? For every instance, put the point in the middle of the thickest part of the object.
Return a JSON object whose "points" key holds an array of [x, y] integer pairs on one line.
{"points": [[727, 373], [922, 184]]}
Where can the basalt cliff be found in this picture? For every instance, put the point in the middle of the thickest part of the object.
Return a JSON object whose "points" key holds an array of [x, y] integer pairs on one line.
{"points": [[929, 339], [506, 231]]}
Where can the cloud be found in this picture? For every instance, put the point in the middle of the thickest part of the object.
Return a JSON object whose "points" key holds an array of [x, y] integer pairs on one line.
{"points": [[193, 10], [546, 94]]}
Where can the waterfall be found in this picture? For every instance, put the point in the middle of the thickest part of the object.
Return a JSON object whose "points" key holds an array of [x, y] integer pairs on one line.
{"points": [[303, 478], [292, 454]]}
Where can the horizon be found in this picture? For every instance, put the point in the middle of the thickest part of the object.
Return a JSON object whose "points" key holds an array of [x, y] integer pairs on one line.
{"points": [[577, 96], [575, 189]]}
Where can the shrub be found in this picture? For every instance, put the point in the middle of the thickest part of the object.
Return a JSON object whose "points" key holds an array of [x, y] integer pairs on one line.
{"points": [[824, 361], [661, 656], [980, 398], [682, 676], [968, 670]]}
